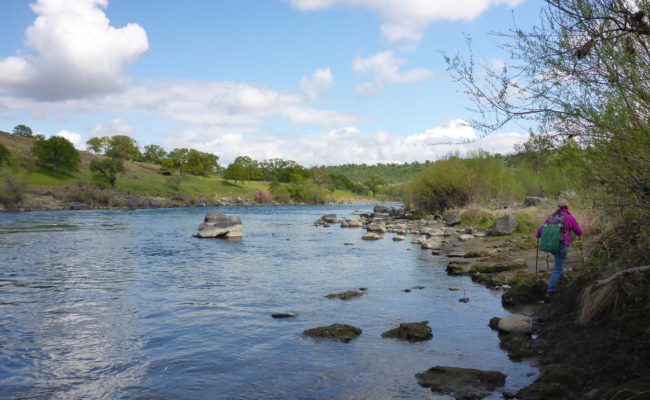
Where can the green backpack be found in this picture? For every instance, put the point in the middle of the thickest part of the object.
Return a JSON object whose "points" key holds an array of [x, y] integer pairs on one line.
{"points": [[551, 238]]}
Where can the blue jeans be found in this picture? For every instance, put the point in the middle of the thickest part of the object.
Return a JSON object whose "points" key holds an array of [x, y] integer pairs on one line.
{"points": [[558, 268]]}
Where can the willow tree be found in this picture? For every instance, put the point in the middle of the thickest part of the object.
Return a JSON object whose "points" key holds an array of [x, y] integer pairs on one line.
{"points": [[583, 74]]}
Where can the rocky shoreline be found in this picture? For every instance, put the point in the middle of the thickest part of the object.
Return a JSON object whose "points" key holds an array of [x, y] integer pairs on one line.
{"points": [[49, 201], [570, 358]]}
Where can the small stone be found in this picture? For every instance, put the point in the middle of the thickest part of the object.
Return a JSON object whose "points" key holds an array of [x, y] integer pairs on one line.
{"points": [[464, 300], [454, 289], [407, 290], [494, 323], [284, 315]]}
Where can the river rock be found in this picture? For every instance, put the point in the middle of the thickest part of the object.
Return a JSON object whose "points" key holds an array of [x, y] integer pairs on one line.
{"points": [[503, 226], [451, 219], [371, 236], [464, 237], [79, 206], [342, 332], [456, 268], [352, 223], [410, 332], [325, 220], [348, 295], [461, 383], [398, 238], [515, 323], [376, 227], [494, 323], [431, 244], [219, 225]]}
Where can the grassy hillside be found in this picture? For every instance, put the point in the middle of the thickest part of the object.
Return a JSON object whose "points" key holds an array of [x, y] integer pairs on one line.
{"points": [[140, 180]]}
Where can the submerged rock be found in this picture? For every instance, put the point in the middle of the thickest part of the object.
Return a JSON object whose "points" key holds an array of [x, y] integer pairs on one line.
{"points": [[462, 383], [219, 225], [284, 315], [410, 332], [342, 332], [348, 295]]}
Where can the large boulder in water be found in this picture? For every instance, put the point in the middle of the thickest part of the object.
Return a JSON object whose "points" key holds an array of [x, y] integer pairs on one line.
{"points": [[219, 225]]}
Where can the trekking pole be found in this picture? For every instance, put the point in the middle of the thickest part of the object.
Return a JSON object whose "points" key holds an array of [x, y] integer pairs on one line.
{"points": [[536, 258], [582, 257]]}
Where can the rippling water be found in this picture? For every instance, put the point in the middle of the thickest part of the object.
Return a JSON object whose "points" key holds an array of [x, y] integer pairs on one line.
{"points": [[116, 304]]}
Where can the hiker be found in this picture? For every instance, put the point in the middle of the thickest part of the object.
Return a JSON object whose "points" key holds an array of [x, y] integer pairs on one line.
{"points": [[568, 223]]}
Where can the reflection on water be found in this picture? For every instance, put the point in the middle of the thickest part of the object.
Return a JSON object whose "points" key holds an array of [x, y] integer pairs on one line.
{"points": [[106, 304]]}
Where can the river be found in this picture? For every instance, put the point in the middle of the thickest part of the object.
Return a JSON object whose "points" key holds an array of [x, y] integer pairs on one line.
{"points": [[127, 304]]}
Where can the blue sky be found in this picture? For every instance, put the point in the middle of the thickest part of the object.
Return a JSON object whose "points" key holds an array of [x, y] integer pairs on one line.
{"points": [[315, 81]]}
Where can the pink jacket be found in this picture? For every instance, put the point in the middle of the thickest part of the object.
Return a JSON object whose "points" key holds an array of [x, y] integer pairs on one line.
{"points": [[570, 224]]}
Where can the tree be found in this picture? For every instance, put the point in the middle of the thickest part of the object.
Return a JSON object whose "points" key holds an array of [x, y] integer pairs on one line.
{"points": [[154, 154], [105, 171], [582, 74], [98, 145], [23, 130], [57, 154], [242, 169], [179, 158], [200, 163], [373, 182], [234, 172], [123, 147], [5, 155]]}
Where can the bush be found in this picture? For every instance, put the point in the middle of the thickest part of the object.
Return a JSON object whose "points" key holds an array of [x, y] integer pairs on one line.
{"points": [[443, 185], [11, 191], [260, 196]]}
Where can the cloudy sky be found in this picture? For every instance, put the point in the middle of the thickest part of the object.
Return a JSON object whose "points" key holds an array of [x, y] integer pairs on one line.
{"points": [[315, 81]]}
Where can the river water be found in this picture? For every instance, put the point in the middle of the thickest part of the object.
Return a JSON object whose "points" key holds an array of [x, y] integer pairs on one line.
{"points": [[127, 304]]}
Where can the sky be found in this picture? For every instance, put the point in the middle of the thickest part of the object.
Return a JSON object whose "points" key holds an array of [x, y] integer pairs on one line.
{"points": [[320, 82]]}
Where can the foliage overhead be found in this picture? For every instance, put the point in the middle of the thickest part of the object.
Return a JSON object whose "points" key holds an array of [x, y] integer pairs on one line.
{"points": [[582, 74]]}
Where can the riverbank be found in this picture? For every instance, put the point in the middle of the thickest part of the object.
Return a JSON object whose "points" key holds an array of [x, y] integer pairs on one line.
{"points": [[604, 359]]}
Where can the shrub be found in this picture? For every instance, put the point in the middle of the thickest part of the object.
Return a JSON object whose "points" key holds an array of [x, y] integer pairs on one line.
{"points": [[11, 191], [260, 196], [443, 185]]}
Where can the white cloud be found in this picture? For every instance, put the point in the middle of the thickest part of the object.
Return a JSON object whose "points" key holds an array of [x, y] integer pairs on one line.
{"points": [[321, 80], [346, 145], [77, 52], [74, 138], [408, 19], [114, 127], [387, 70]]}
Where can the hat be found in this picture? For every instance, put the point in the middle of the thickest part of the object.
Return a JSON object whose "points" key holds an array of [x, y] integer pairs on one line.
{"points": [[562, 203]]}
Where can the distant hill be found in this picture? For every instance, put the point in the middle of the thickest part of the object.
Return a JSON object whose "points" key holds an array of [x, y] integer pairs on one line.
{"points": [[390, 173], [142, 185]]}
